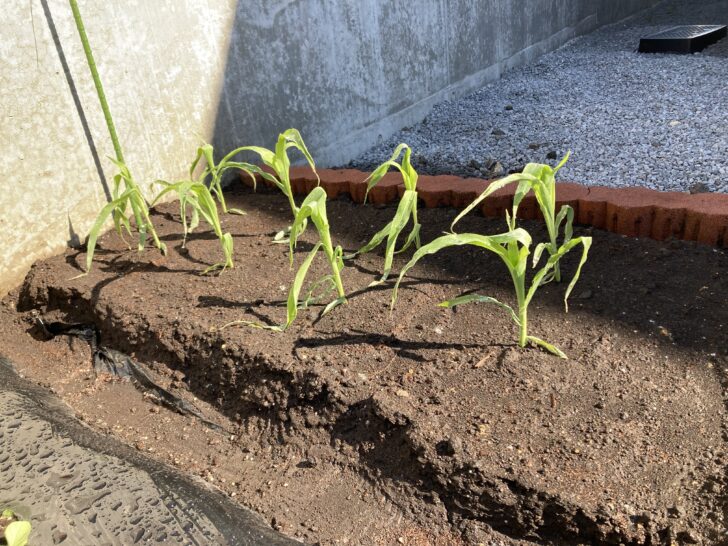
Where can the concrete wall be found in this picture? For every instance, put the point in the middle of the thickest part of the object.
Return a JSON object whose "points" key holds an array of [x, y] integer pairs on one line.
{"points": [[345, 72]]}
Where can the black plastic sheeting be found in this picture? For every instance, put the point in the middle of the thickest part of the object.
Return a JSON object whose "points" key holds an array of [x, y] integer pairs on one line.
{"points": [[239, 526], [118, 364]]}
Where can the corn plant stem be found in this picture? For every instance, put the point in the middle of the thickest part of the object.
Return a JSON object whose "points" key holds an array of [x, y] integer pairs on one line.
{"points": [[553, 236], [97, 80], [330, 254], [294, 208], [519, 285]]}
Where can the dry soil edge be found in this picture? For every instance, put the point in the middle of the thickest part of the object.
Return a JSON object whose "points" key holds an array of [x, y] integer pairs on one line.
{"points": [[634, 211], [79, 487]]}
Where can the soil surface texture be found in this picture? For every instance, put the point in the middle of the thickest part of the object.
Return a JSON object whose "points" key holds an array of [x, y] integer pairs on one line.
{"points": [[424, 426]]}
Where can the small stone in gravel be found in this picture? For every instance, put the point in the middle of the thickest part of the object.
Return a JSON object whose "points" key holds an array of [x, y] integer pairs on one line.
{"points": [[699, 187]]}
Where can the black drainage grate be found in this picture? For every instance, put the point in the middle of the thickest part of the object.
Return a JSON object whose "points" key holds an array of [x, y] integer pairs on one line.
{"points": [[683, 39]]}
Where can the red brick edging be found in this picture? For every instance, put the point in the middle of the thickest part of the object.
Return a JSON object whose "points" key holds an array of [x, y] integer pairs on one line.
{"points": [[634, 212]]}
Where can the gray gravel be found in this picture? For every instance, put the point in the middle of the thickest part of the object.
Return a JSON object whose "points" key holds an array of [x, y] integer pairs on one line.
{"points": [[629, 119]]}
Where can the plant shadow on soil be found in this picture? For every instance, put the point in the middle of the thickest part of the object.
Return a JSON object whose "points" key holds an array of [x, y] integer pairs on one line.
{"points": [[438, 406]]}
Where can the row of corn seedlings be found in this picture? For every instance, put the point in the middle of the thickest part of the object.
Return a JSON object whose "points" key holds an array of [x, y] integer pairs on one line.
{"points": [[201, 193], [512, 246]]}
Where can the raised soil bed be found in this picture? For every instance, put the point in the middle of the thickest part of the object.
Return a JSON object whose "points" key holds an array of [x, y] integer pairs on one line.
{"points": [[426, 426]]}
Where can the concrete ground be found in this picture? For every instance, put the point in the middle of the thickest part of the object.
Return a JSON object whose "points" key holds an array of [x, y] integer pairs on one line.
{"points": [[81, 488]]}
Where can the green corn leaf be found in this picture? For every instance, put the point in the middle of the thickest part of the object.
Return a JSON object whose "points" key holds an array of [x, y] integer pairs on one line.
{"points": [[409, 175], [313, 207], [546, 345], [254, 324], [18, 533], [98, 224], [553, 260], [375, 241], [282, 236], [493, 243], [332, 305], [401, 217], [470, 298], [493, 187], [413, 237], [586, 244], [538, 251], [311, 298], [566, 213], [293, 138], [562, 162], [194, 220], [292, 304]]}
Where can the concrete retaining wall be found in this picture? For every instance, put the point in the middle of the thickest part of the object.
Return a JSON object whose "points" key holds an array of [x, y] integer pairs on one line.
{"points": [[346, 73]]}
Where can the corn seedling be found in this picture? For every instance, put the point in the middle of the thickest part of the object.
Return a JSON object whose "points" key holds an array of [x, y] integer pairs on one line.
{"points": [[541, 179], [216, 170], [280, 163], [15, 531], [313, 207], [513, 247], [131, 197], [196, 195], [406, 209]]}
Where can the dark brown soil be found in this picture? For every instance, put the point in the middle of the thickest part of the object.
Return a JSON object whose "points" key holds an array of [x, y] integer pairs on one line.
{"points": [[427, 426]]}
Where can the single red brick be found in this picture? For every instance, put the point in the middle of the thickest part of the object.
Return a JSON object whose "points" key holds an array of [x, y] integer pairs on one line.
{"points": [[568, 193], [337, 182], [303, 179], [669, 219], [435, 191], [706, 219], [630, 211], [466, 190], [528, 208], [592, 208]]}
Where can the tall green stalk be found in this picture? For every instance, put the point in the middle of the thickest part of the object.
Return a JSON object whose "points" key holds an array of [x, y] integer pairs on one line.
{"points": [[132, 195], [97, 80]]}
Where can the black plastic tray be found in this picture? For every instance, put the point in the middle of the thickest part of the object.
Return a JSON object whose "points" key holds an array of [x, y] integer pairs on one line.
{"points": [[683, 39]]}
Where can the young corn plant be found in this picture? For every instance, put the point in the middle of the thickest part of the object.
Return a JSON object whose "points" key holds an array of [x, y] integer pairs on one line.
{"points": [[215, 172], [514, 249], [279, 162], [196, 195], [406, 210], [313, 207], [131, 197], [541, 179]]}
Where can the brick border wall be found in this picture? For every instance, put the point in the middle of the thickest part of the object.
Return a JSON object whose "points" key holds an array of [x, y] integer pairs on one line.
{"points": [[633, 211]]}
